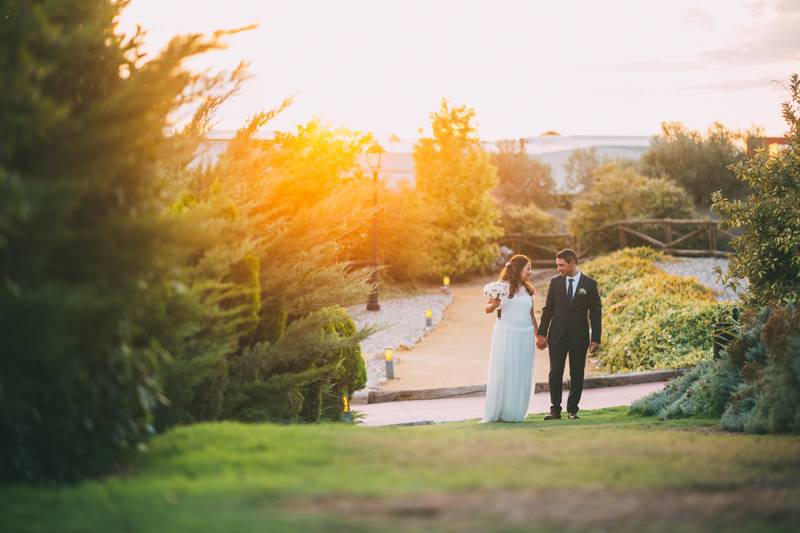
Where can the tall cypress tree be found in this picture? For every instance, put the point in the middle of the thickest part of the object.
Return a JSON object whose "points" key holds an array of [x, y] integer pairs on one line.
{"points": [[90, 255]]}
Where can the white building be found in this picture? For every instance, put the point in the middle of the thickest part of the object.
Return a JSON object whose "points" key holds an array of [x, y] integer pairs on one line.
{"points": [[398, 161]]}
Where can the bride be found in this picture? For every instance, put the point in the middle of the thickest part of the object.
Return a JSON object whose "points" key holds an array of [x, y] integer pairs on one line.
{"points": [[508, 386]]}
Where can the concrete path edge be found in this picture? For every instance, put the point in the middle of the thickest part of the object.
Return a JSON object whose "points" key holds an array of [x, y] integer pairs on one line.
{"points": [[610, 380]]}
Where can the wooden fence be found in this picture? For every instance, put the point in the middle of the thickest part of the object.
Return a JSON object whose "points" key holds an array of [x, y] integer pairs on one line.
{"points": [[674, 232]]}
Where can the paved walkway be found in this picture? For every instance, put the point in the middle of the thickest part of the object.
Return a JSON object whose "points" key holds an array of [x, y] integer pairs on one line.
{"points": [[457, 409], [456, 352]]}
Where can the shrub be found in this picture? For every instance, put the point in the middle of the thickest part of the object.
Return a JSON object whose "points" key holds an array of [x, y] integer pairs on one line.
{"points": [[282, 381], [207, 321], [619, 193], [767, 251], [622, 266], [350, 375], [324, 397], [754, 386], [673, 333], [769, 399], [703, 391], [525, 219], [654, 320]]}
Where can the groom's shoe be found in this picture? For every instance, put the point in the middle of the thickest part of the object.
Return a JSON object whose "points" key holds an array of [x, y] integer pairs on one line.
{"points": [[554, 415], [573, 416]]}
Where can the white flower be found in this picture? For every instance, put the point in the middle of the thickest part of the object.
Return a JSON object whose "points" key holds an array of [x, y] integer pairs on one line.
{"points": [[496, 289]]}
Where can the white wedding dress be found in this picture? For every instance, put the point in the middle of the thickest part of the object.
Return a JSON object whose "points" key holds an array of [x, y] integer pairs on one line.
{"points": [[508, 385]]}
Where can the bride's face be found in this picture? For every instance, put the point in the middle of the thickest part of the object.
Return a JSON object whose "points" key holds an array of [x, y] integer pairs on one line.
{"points": [[526, 273]]}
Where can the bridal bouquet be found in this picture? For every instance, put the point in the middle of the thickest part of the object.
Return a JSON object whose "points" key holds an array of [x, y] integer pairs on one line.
{"points": [[495, 289]]}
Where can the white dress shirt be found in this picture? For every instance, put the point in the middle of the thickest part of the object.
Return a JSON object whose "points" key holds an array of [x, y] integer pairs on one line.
{"points": [[577, 278]]}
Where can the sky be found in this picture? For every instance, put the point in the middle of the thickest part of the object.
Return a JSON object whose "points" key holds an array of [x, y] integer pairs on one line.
{"points": [[595, 67]]}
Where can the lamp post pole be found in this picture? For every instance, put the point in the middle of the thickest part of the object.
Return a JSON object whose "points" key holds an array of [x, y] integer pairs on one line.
{"points": [[372, 300], [374, 156]]}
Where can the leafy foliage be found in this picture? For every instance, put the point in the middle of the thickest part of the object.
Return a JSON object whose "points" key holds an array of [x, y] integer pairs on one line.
{"points": [[91, 255], [456, 176], [526, 220], [767, 251], [289, 203], [521, 179], [653, 319], [405, 232], [138, 291], [582, 165], [269, 379], [700, 164], [619, 193], [755, 385]]}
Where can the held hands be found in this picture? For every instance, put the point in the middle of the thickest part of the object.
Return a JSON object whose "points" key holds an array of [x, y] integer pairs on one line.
{"points": [[541, 342]]}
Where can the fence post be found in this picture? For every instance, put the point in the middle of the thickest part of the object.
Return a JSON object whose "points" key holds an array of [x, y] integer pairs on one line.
{"points": [[712, 237], [622, 240], [667, 236]]}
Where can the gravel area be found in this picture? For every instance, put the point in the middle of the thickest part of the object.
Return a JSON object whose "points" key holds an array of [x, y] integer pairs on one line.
{"points": [[402, 323], [702, 268]]}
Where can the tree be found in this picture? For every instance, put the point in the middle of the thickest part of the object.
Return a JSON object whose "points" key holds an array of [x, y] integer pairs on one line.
{"points": [[522, 179], [406, 232], [291, 204], [767, 251], [457, 177], [580, 166], [619, 193], [700, 164], [90, 253]]}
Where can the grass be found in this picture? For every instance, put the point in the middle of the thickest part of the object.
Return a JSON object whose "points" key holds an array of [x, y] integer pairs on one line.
{"points": [[609, 471]]}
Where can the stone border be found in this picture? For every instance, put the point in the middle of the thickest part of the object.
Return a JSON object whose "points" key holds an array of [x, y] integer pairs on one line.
{"points": [[593, 382]]}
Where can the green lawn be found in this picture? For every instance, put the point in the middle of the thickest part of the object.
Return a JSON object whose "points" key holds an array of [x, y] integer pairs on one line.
{"points": [[609, 471]]}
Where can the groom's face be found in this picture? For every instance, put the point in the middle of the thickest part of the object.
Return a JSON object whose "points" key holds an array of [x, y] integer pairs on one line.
{"points": [[566, 268]]}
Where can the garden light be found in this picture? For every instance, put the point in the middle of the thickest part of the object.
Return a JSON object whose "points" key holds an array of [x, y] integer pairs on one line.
{"points": [[389, 364]]}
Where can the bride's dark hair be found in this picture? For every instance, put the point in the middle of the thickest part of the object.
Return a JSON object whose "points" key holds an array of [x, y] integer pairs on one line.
{"points": [[512, 272]]}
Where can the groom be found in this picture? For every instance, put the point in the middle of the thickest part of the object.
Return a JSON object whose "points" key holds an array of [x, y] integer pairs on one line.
{"points": [[565, 329]]}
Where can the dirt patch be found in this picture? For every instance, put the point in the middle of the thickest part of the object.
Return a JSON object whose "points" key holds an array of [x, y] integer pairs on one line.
{"points": [[596, 509]]}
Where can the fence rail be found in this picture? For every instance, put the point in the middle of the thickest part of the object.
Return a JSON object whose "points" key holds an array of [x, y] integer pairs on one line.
{"points": [[622, 234]]}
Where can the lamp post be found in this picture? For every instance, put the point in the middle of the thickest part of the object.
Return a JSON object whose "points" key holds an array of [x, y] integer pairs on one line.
{"points": [[374, 157]]}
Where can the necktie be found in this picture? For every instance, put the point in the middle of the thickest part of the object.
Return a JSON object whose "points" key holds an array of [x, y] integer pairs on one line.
{"points": [[569, 289]]}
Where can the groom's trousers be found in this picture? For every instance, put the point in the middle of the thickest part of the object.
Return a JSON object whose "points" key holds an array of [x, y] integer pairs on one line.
{"points": [[559, 350]]}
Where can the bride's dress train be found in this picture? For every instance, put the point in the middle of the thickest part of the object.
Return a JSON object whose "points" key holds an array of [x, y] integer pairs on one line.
{"points": [[508, 385]]}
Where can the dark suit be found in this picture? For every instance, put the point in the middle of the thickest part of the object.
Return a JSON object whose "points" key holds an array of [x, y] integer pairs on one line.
{"points": [[566, 327]]}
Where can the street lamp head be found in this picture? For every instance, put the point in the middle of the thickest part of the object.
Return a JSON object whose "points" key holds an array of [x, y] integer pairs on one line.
{"points": [[374, 156]]}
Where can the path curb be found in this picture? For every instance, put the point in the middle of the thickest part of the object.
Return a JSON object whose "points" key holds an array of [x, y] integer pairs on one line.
{"points": [[593, 382]]}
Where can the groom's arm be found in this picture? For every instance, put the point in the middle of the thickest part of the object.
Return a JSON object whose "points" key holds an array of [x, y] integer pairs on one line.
{"points": [[595, 313], [547, 311]]}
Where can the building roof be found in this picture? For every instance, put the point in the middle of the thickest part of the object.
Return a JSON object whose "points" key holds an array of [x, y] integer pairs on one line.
{"points": [[398, 161]]}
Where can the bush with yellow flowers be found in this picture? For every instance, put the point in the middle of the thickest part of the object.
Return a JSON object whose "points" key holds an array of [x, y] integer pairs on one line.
{"points": [[652, 320]]}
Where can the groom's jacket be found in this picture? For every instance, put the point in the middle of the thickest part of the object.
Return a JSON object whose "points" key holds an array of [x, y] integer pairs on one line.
{"points": [[561, 317]]}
